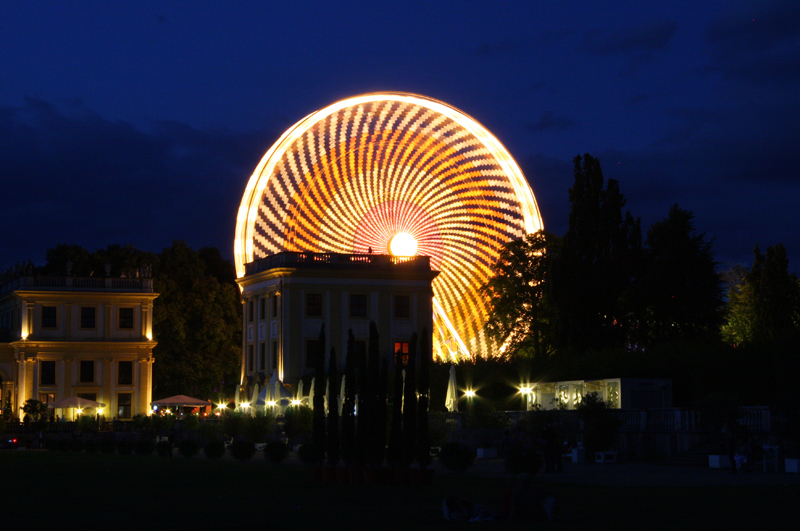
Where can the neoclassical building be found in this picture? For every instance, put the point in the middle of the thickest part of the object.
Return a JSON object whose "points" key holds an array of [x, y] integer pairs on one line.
{"points": [[68, 336], [289, 296]]}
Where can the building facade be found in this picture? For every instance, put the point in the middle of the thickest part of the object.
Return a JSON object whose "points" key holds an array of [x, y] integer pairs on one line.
{"points": [[289, 296], [88, 337]]}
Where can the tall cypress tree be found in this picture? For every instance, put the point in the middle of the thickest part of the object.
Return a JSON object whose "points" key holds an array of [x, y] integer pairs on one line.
{"points": [[373, 377], [348, 405], [410, 404], [423, 435], [333, 412], [318, 435], [597, 261], [396, 430]]}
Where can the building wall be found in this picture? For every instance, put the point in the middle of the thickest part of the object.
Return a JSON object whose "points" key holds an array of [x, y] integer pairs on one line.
{"points": [[118, 339], [295, 324]]}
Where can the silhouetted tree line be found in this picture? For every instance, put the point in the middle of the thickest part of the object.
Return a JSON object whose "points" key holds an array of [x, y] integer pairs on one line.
{"points": [[604, 300]]}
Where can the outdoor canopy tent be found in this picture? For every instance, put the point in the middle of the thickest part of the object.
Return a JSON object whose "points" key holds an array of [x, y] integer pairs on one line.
{"points": [[74, 402], [180, 401]]}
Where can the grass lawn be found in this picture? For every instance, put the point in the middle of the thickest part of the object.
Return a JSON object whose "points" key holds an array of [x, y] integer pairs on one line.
{"points": [[44, 490]]}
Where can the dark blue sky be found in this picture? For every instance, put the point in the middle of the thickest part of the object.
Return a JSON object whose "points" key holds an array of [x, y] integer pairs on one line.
{"points": [[141, 123]]}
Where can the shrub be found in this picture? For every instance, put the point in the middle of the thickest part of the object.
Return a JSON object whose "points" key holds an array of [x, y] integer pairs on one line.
{"points": [[211, 430], [242, 450], [144, 447], [276, 451], [191, 422], [215, 449], [87, 423], [258, 426], [299, 421], [306, 453], [600, 424], [141, 422], [188, 448], [108, 445], [164, 449], [456, 456]]}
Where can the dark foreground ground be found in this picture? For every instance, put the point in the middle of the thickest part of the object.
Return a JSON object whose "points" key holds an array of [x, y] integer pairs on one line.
{"points": [[55, 490]]}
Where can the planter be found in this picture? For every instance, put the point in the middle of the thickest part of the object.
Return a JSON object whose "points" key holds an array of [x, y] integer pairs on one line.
{"points": [[791, 465], [719, 461]]}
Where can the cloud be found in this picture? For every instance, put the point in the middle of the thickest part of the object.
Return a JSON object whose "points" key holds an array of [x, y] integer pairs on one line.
{"points": [[72, 176], [759, 46], [550, 121], [654, 35]]}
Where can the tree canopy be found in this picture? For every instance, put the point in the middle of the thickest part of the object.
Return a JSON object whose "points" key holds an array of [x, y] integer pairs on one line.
{"points": [[196, 317]]}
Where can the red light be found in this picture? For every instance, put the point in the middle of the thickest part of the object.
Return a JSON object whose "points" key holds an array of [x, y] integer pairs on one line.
{"points": [[13, 440]]}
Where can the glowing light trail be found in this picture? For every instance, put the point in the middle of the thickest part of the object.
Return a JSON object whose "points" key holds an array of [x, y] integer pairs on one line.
{"points": [[356, 174]]}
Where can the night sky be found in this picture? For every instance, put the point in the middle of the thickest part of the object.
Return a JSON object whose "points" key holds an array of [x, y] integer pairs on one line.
{"points": [[141, 124]]}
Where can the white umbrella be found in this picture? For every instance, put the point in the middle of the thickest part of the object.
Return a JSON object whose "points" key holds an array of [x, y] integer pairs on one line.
{"points": [[236, 398], [254, 401], [451, 398], [311, 394], [74, 402], [327, 393], [300, 392], [341, 397], [263, 396]]}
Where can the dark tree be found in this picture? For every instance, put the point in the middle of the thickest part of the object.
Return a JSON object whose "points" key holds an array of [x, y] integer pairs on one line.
{"points": [[333, 412], [410, 404], [197, 323], [764, 305], [394, 452], [375, 429], [600, 256], [318, 434], [519, 310], [348, 404], [678, 294], [423, 434]]}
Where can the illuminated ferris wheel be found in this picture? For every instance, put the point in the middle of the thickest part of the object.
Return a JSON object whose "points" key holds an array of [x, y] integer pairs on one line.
{"points": [[399, 169]]}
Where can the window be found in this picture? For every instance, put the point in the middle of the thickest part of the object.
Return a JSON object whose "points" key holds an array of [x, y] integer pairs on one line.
{"points": [[88, 317], [250, 357], [274, 306], [46, 398], [124, 403], [125, 376], [358, 305], [126, 318], [49, 317], [87, 371], [274, 355], [262, 356], [262, 308], [401, 349], [88, 396], [250, 311], [402, 306], [313, 305], [47, 373]]}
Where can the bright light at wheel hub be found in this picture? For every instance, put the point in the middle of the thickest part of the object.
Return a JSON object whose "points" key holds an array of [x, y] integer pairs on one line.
{"points": [[403, 244]]}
